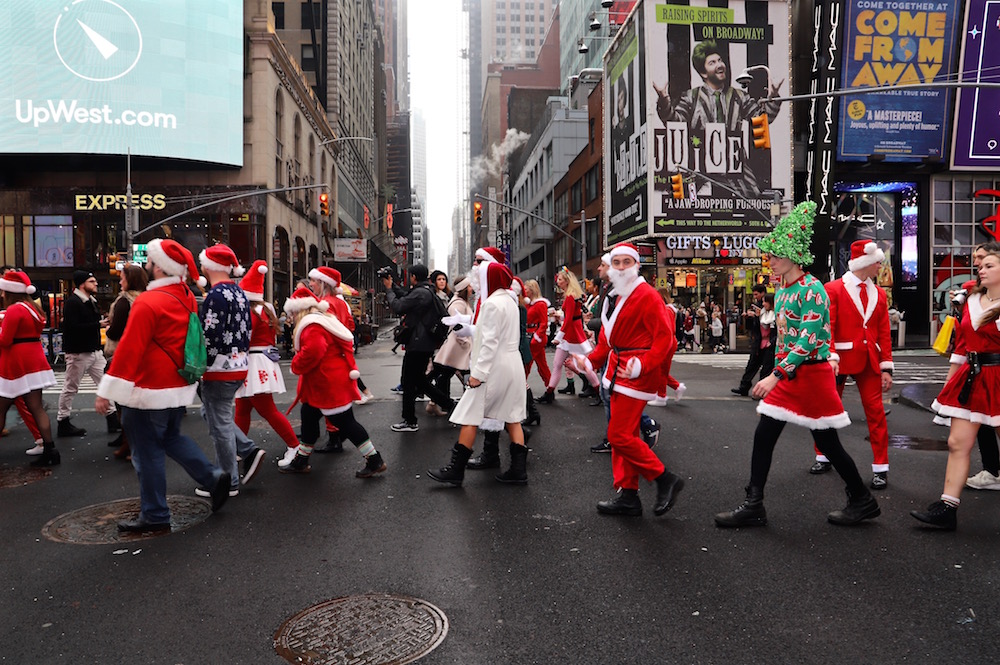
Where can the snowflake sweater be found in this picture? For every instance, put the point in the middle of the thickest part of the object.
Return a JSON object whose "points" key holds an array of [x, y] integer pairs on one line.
{"points": [[225, 316], [803, 324]]}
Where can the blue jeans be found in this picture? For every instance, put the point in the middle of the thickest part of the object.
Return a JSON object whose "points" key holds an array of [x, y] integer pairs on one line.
{"points": [[218, 408], [153, 436]]}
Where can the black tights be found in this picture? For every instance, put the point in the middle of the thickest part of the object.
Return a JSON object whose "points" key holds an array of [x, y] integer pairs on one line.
{"points": [[766, 436], [343, 421], [33, 401], [987, 438]]}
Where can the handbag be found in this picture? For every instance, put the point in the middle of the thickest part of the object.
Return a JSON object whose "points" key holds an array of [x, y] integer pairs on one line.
{"points": [[272, 353], [943, 339]]}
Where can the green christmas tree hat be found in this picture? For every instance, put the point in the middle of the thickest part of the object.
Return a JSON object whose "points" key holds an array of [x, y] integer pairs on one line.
{"points": [[791, 237]]}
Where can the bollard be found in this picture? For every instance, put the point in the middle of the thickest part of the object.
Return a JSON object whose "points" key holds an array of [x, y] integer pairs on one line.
{"points": [[901, 340], [732, 337]]}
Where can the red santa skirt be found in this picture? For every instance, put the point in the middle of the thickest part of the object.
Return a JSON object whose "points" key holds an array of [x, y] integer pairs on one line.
{"points": [[809, 400], [983, 406], [24, 368]]}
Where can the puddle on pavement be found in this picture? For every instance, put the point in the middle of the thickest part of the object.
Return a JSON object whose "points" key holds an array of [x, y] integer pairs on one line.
{"points": [[917, 443]]}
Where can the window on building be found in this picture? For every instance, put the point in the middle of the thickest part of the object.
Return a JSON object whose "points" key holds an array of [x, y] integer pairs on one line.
{"points": [[593, 183], [279, 15], [576, 196], [308, 60], [530, 18], [530, 41], [48, 241], [7, 232], [312, 19]]}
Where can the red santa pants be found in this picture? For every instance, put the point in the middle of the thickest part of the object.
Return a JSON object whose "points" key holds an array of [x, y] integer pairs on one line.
{"points": [[630, 456], [870, 386], [538, 357], [264, 404]]}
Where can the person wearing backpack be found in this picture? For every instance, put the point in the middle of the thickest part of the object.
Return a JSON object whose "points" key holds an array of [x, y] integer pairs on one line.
{"points": [[225, 316], [145, 379], [423, 318]]}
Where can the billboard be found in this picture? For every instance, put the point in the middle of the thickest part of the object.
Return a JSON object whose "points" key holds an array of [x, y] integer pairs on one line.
{"points": [[977, 135], [161, 79], [903, 42], [711, 68]]}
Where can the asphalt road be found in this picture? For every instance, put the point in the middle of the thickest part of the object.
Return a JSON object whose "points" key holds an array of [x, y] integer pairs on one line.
{"points": [[524, 574]]}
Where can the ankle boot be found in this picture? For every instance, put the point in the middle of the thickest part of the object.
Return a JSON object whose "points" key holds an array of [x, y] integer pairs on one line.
{"points": [[117, 441], [517, 474], [114, 424], [570, 388], [749, 513], [625, 503], [490, 457], [65, 428], [938, 514], [534, 417], [668, 486], [49, 456], [547, 398], [123, 452], [861, 505], [454, 473]]}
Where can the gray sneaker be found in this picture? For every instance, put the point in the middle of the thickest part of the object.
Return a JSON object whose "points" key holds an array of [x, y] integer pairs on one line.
{"points": [[984, 480]]}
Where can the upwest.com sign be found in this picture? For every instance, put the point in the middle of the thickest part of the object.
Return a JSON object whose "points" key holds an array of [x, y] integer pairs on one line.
{"points": [[120, 201]]}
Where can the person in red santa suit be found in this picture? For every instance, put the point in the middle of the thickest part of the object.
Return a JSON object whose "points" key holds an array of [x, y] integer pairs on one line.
{"points": [[24, 369], [862, 344], [571, 339], [537, 324], [633, 345], [324, 362], [264, 378]]}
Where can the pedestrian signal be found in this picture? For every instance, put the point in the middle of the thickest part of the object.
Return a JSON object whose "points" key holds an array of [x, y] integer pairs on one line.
{"points": [[324, 204], [477, 215], [677, 184], [761, 132]]}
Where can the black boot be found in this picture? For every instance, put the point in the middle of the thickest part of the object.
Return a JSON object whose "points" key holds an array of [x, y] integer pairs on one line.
{"points": [[588, 391], [117, 441], [517, 474], [454, 473], [490, 458], [938, 514], [548, 398], [334, 444], [534, 417], [749, 513], [114, 424], [668, 486], [570, 388], [626, 503], [374, 464], [861, 505], [66, 428], [49, 456]]}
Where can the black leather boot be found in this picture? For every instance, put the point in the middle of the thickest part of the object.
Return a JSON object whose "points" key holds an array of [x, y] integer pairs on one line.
{"points": [[517, 474], [749, 513], [49, 457], [938, 514], [626, 503], [490, 458], [454, 473], [668, 486], [534, 417], [570, 388], [861, 505], [114, 424], [66, 428], [548, 398]]}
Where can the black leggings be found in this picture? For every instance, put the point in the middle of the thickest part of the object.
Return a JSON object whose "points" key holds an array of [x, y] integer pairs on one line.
{"points": [[988, 449], [33, 401], [766, 436], [343, 421]]}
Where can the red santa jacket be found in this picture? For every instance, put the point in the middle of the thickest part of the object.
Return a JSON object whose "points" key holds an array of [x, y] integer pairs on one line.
{"points": [[262, 335], [340, 309], [324, 361], [571, 331], [637, 328], [538, 321], [860, 338], [143, 372]]}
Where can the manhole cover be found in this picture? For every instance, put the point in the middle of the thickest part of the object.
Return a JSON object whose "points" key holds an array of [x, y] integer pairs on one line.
{"points": [[373, 629], [18, 476], [98, 524]]}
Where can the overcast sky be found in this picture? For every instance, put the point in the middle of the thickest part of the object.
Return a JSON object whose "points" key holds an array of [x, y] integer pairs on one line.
{"points": [[435, 31]]}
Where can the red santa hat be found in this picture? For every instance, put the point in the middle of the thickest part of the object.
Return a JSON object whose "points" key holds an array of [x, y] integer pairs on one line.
{"points": [[253, 283], [220, 258], [15, 281], [864, 253], [491, 254], [329, 276], [624, 249], [498, 276], [302, 300], [174, 259]]}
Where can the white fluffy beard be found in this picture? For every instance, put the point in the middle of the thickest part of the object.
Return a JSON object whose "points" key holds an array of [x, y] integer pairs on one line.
{"points": [[474, 278], [622, 279]]}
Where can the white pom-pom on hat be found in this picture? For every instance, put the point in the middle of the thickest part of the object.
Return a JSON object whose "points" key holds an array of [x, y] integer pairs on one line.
{"points": [[30, 290], [262, 270], [202, 282]]}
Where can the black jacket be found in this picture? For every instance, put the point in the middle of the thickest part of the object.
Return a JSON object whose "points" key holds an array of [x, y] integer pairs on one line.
{"points": [[418, 308], [81, 325]]}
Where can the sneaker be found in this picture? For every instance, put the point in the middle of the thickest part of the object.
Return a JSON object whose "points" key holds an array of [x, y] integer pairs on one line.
{"points": [[299, 464], [287, 458], [659, 401], [206, 492], [365, 398], [373, 465], [602, 447], [681, 389], [37, 450], [651, 434], [423, 398], [984, 480], [251, 464], [880, 480], [405, 427], [398, 389]]}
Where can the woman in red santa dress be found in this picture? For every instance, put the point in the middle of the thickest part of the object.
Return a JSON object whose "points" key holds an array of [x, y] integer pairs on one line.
{"points": [[264, 378], [571, 338], [24, 369], [537, 324], [324, 362], [971, 395]]}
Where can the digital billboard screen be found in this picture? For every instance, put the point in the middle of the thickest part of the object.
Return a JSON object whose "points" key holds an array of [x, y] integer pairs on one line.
{"points": [[155, 78]]}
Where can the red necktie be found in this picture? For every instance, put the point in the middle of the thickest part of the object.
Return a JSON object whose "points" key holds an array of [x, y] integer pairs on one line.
{"points": [[864, 298]]}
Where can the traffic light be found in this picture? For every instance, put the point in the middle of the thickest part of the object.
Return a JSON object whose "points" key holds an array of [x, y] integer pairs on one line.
{"points": [[324, 204], [477, 214], [677, 184], [761, 132]]}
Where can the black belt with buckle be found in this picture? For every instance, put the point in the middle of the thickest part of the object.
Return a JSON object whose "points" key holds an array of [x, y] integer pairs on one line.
{"points": [[618, 360], [26, 340], [976, 363]]}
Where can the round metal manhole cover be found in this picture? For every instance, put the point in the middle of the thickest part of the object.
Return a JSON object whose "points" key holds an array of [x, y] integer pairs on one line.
{"points": [[372, 629], [19, 476], [98, 524]]}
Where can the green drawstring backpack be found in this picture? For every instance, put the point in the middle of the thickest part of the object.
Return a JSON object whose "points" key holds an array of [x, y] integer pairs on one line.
{"points": [[195, 352]]}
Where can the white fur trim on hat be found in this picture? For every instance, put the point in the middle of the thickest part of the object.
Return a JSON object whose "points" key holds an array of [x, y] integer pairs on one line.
{"points": [[296, 305], [156, 255], [316, 274], [624, 250], [606, 258], [208, 264], [871, 256], [11, 286], [484, 255], [253, 296]]}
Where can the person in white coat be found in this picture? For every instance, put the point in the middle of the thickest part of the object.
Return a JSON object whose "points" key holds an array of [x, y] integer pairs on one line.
{"points": [[496, 397]]}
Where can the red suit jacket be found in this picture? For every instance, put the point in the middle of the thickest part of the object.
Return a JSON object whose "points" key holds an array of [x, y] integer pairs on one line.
{"points": [[860, 338]]}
